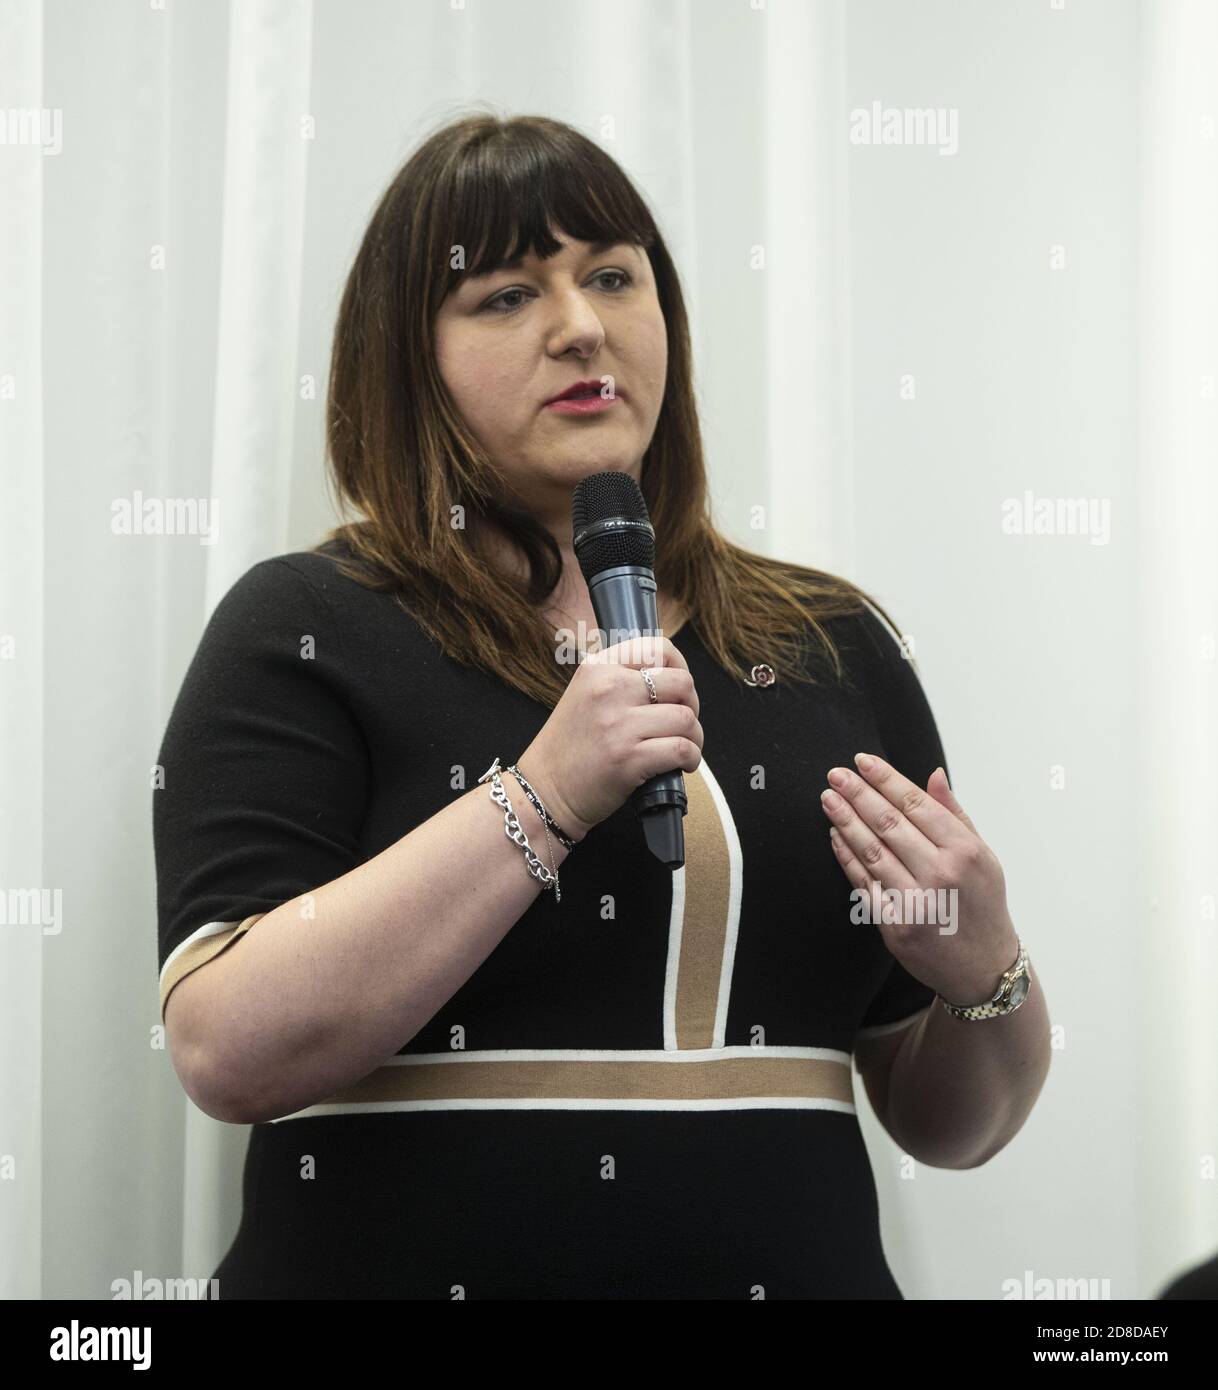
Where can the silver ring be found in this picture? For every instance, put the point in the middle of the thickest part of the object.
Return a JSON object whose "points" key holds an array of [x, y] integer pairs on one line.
{"points": [[651, 685]]}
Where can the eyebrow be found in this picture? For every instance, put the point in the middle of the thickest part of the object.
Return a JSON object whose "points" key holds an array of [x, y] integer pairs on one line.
{"points": [[597, 248]]}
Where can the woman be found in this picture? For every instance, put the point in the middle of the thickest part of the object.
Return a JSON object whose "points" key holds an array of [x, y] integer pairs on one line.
{"points": [[474, 1071]]}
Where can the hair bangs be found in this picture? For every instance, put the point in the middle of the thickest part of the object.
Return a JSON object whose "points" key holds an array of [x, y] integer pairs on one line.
{"points": [[516, 189]]}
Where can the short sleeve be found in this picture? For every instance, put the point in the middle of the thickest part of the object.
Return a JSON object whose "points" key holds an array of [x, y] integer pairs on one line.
{"points": [[898, 1001], [911, 743], [264, 769]]}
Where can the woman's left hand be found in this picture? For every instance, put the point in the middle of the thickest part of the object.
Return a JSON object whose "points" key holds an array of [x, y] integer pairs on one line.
{"points": [[891, 832]]}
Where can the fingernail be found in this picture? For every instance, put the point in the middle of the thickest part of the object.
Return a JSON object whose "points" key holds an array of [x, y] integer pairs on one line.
{"points": [[864, 761]]}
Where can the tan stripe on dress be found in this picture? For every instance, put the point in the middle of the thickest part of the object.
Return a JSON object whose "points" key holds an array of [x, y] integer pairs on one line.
{"points": [[704, 924], [727, 1078], [199, 953]]}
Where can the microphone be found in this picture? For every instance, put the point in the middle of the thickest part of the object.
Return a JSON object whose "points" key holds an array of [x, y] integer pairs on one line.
{"points": [[616, 547]]}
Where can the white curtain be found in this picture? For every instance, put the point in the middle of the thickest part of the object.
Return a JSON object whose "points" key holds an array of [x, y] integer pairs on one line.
{"points": [[22, 610], [174, 240], [1175, 1087]]}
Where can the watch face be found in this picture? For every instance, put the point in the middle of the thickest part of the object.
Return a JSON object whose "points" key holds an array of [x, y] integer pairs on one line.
{"points": [[1019, 991]]}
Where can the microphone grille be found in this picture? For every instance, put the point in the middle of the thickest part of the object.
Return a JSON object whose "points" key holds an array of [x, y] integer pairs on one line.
{"points": [[611, 496]]}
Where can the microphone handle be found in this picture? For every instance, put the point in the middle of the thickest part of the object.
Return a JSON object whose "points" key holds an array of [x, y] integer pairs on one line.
{"points": [[624, 601]]}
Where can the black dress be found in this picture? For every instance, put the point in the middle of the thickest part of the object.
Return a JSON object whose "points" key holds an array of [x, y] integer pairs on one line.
{"points": [[645, 1091]]}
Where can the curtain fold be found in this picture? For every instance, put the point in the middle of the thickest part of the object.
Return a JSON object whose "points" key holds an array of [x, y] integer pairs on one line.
{"points": [[269, 128], [806, 272]]}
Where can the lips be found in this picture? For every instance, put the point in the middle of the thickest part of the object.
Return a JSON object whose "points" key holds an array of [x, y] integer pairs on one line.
{"points": [[579, 390]]}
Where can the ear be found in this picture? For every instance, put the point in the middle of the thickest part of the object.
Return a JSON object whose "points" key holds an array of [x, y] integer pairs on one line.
{"points": [[939, 787]]}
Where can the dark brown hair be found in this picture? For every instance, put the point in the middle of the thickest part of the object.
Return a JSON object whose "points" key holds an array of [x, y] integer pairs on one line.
{"points": [[399, 451]]}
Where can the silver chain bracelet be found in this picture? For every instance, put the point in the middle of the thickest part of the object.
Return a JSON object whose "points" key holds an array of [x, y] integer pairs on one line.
{"points": [[512, 828], [546, 818]]}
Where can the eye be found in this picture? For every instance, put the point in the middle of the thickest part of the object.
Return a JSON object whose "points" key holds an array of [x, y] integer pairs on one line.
{"points": [[491, 304], [496, 305], [627, 278]]}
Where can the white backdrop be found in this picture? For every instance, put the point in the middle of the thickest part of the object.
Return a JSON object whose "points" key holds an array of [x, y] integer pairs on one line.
{"points": [[890, 342]]}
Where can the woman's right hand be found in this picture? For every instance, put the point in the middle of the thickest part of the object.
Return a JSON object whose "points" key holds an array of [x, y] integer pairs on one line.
{"points": [[605, 738]]}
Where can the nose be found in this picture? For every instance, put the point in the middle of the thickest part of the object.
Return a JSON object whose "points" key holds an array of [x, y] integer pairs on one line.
{"points": [[577, 325]]}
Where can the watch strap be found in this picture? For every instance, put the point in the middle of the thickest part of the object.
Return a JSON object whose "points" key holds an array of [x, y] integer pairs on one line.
{"points": [[1011, 992]]}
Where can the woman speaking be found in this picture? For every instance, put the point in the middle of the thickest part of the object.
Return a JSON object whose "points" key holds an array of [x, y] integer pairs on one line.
{"points": [[409, 930]]}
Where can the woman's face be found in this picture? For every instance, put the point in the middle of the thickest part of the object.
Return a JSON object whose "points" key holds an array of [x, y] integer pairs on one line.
{"points": [[510, 341]]}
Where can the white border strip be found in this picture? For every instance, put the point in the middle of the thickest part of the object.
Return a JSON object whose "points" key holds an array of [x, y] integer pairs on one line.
{"points": [[743, 1103], [628, 1054], [676, 928], [209, 929]]}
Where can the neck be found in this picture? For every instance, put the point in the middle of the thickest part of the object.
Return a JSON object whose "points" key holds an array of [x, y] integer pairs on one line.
{"points": [[570, 603]]}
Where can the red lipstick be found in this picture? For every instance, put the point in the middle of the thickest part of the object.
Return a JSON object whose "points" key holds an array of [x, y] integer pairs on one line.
{"points": [[581, 398]]}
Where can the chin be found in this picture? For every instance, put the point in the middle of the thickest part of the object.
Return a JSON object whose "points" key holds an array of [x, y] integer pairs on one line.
{"points": [[614, 463]]}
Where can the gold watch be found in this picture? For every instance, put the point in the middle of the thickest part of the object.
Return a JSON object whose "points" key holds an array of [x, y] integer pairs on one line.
{"points": [[1012, 991]]}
